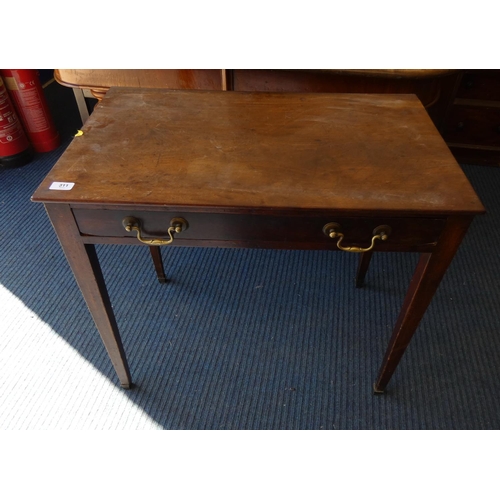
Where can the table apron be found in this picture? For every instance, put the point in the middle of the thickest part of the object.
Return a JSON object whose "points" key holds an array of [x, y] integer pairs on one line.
{"points": [[260, 231]]}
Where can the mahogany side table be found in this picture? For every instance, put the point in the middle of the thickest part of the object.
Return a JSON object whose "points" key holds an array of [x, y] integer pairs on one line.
{"points": [[341, 172]]}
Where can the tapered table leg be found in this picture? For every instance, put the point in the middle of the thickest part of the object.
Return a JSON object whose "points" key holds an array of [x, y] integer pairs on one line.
{"points": [[85, 265], [425, 281], [364, 262], [158, 263]]}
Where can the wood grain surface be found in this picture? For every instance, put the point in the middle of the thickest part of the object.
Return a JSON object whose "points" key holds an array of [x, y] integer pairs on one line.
{"points": [[348, 152], [140, 78]]}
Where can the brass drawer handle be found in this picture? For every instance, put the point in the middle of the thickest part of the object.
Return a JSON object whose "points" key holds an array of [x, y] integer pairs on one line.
{"points": [[333, 230], [177, 225]]}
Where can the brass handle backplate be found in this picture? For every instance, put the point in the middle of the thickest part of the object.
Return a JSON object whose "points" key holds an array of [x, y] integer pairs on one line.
{"points": [[177, 225], [333, 230]]}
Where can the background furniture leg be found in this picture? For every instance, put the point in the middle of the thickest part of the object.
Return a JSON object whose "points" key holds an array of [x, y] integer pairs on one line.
{"points": [[82, 105], [364, 262], [158, 263]]}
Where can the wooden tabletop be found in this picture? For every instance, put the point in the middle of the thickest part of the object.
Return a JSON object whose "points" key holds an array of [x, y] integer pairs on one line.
{"points": [[347, 152]]}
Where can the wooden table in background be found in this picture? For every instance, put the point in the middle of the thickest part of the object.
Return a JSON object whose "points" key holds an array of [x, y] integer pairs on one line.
{"points": [[434, 87], [348, 172], [99, 81], [463, 104]]}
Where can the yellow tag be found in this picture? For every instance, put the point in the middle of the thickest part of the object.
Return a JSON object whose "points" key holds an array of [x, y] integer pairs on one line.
{"points": [[79, 133], [11, 83]]}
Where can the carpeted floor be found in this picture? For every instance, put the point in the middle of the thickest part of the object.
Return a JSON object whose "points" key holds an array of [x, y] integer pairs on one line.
{"points": [[243, 339]]}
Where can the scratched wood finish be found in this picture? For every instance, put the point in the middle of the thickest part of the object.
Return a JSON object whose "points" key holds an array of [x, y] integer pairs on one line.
{"points": [[269, 151], [434, 88]]}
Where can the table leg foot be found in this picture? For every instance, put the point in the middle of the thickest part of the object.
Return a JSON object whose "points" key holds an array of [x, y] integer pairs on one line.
{"points": [[376, 390]]}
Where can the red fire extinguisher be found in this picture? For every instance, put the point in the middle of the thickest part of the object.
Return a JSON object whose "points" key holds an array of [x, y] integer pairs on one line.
{"points": [[15, 150], [27, 93]]}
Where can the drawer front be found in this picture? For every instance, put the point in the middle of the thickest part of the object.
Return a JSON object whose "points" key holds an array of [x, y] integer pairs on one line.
{"points": [[473, 125], [484, 85], [270, 231]]}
